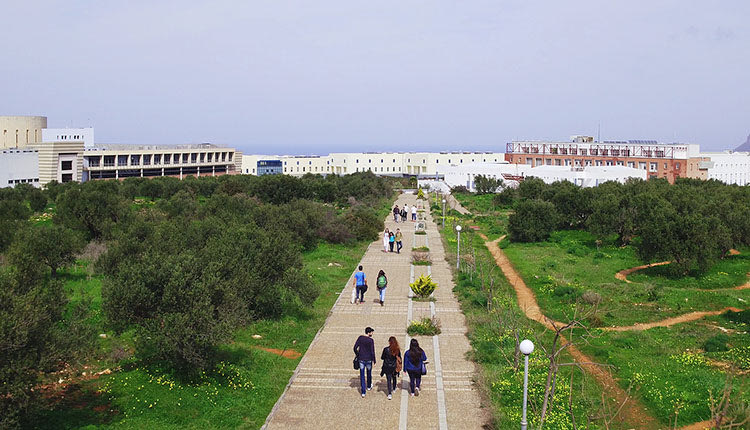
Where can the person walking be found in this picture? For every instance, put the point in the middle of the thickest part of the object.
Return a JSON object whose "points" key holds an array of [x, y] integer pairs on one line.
{"points": [[396, 213], [403, 215], [364, 350], [414, 359], [399, 238], [414, 213], [386, 240], [382, 284], [406, 209], [391, 358], [360, 284], [391, 240]]}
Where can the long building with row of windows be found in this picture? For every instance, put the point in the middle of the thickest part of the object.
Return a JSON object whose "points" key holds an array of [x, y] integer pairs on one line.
{"points": [[35, 154]]}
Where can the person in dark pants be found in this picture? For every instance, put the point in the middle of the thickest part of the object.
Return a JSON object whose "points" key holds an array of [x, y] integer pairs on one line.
{"points": [[413, 359], [391, 240], [399, 238], [364, 349], [391, 357], [396, 213], [360, 283]]}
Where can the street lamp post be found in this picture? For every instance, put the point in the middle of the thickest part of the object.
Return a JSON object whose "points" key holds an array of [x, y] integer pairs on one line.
{"points": [[458, 247], [526, 347], [443, 213]]}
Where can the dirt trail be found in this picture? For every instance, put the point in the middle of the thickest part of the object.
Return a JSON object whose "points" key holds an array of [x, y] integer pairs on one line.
{"points": [[287, 353], [633, 412], [692, 316]]}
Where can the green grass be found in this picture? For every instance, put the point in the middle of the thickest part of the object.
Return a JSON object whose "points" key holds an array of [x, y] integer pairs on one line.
{"points": [[727, 273], [669, 368], [240, 394], [563, 268]]}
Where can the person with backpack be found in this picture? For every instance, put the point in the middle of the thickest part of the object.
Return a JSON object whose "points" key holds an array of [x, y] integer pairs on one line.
{"points": [[414, 364], [364, 350], [392, 363], [391, 240], [399, 238], [403, 215], [360, 285], [382, 284]]}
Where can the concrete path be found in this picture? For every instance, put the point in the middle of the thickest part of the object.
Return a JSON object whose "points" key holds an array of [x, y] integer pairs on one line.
{"points": [[324, 390]]}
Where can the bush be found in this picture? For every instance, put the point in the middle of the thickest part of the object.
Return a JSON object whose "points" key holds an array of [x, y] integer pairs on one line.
{"points": [[459, 189], [423, 286], [424, 327], [716, 343], [591, 298], [532, 221], [506, 197], [419, 258], [363, 223], [566, 291], [742, 317]]}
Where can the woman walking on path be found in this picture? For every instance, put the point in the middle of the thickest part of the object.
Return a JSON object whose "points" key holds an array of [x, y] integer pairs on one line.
{"points": [[382, 284], [364, 349], [396, 213], [391, 241], [399, 238], [414, 360], [386, 239], [391, 357]]}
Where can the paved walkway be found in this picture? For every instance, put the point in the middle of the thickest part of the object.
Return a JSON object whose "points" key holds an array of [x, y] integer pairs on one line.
{"points": [[324, 390]]}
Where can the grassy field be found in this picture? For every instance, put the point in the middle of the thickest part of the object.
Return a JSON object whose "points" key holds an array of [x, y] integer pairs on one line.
{"points": [[672, 369], [239, 394], [562, 269]]}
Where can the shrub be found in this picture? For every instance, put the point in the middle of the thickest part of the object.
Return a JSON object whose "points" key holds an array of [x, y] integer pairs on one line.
{"points": [[742, 317], [566, 291], [423, 286], [716, 343], [363, 223], [420, 259], [459, 189], [424, 327], [505, 197], [420, 194], [421, 249], [591, 298], [532, 221]]}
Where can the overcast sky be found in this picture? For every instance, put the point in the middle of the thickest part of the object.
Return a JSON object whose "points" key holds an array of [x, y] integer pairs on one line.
{"points": [[319, 76]]}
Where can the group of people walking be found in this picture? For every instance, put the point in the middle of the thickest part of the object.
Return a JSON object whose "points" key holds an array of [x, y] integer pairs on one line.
{"points": [[360, 286], [401, 214], [414, 362], [392, 238]]}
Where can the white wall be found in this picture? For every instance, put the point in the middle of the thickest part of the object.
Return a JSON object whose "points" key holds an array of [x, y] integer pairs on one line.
{"points": [[67, 134], [19, 166], [729, 167]]}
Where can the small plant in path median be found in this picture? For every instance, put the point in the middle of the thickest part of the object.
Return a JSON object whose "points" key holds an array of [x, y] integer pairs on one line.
{"points": [[424, 327], [420, 194], [421, 249], [423, 286], [421, 258]]}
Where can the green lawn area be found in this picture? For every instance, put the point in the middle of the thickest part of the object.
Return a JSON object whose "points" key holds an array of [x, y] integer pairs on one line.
{"points": [[239, 394], [563, 268]]}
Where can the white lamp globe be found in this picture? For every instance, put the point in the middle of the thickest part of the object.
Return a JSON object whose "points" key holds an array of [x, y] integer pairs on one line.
{"points": [[526, 347], [458, 228], [443, 201]]}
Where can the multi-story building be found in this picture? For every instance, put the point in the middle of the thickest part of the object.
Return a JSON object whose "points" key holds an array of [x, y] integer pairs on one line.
{"points": [[67, 134], [125, 161], [659, 160], [380, 163], [19, 166], [728, 167]]}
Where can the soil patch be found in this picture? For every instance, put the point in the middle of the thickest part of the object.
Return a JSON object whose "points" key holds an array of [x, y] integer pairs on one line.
{"points": [[287, 353], [692, 316]]}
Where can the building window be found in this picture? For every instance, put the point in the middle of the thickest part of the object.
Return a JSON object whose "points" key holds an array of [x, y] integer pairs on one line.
{"points": [[66, 165], [653, 167], [67, 177]]}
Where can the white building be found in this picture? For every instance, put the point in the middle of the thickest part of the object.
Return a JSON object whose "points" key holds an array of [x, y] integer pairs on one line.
{"points": [[380, 163], [67, 134], [590, 176], [728, 167]]}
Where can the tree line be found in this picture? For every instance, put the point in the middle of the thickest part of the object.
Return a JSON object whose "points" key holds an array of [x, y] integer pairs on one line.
{"points": [[692, 223], [186, 263]]}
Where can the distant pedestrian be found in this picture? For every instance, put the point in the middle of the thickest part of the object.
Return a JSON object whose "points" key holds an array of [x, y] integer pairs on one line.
{"points": [[364, 349], [382, 284], [391, 240], [399, 238], [406, 208], [414, 360], [386, 240], [414, 213], [403, 215], [360, 284], [391, 357], [396, 213]]}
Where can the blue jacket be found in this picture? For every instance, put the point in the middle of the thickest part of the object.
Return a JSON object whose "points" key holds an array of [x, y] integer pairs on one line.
{"points": [[408, 365]]}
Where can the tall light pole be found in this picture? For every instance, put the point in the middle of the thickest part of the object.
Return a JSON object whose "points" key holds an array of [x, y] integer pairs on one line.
{"points": [[526, 347], [458, 247], [443, 213]]}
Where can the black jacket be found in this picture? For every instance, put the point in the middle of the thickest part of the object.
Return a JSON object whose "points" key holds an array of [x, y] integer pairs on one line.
{"points": [[389, 361]]}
